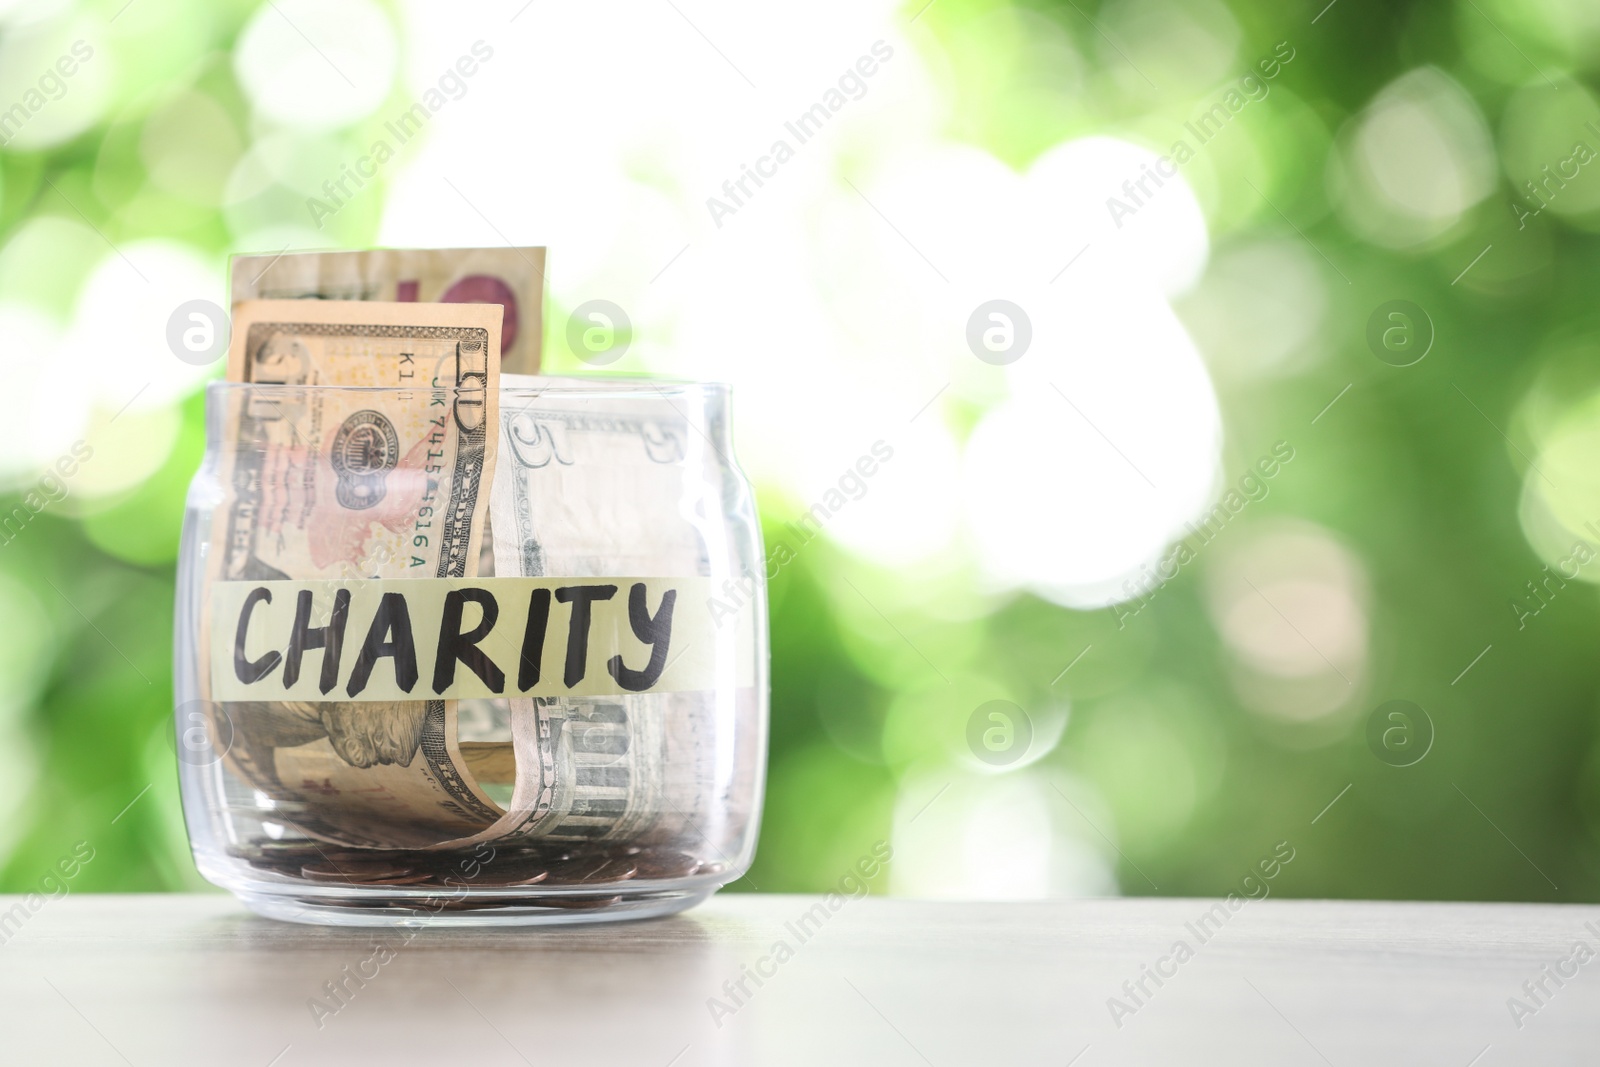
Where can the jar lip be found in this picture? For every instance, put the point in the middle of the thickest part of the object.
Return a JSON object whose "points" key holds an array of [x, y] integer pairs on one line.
{"points": [[608, 386]]}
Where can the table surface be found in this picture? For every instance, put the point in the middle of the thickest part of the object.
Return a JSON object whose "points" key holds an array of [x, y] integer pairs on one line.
{"points": [[196, 979]]}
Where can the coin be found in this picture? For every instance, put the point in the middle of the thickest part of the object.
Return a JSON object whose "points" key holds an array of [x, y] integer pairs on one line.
{"points": [[271, 847], [590, 867], [607, 870], [348, 870], [408, 879], [662, 862]]}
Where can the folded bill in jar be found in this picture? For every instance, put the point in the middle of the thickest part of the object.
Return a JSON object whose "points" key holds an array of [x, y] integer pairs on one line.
{"points": [[510, 277], [588, 488], [335, 483]]}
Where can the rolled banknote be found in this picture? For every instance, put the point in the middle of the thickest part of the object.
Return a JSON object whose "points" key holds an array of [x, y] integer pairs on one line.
{"points": [[592, 487], [510, 277], [328, 483]]}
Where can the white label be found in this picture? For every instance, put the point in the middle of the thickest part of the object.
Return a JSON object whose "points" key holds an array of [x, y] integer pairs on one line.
{"points": [[449, 638]]}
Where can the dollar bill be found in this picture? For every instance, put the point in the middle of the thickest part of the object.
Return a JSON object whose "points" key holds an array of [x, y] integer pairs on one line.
{"points": [[592, 487], [335, 483], [510, 277]]}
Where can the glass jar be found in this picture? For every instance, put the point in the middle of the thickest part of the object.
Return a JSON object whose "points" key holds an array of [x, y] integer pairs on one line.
{"points": [[437, 663]]}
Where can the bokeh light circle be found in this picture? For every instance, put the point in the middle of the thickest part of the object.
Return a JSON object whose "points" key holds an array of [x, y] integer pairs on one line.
{"points": [[316, 64]]}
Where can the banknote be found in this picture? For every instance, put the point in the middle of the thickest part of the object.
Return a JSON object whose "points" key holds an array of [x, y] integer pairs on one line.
{"points": [[591, 487], [510, 277], [335, 483]]}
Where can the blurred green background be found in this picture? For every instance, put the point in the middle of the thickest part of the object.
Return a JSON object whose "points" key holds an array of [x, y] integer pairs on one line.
{"points": [[1427, 542]]}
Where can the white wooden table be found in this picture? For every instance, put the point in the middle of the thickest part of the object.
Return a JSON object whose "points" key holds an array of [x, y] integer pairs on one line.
{"points": [[157, 980]]}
